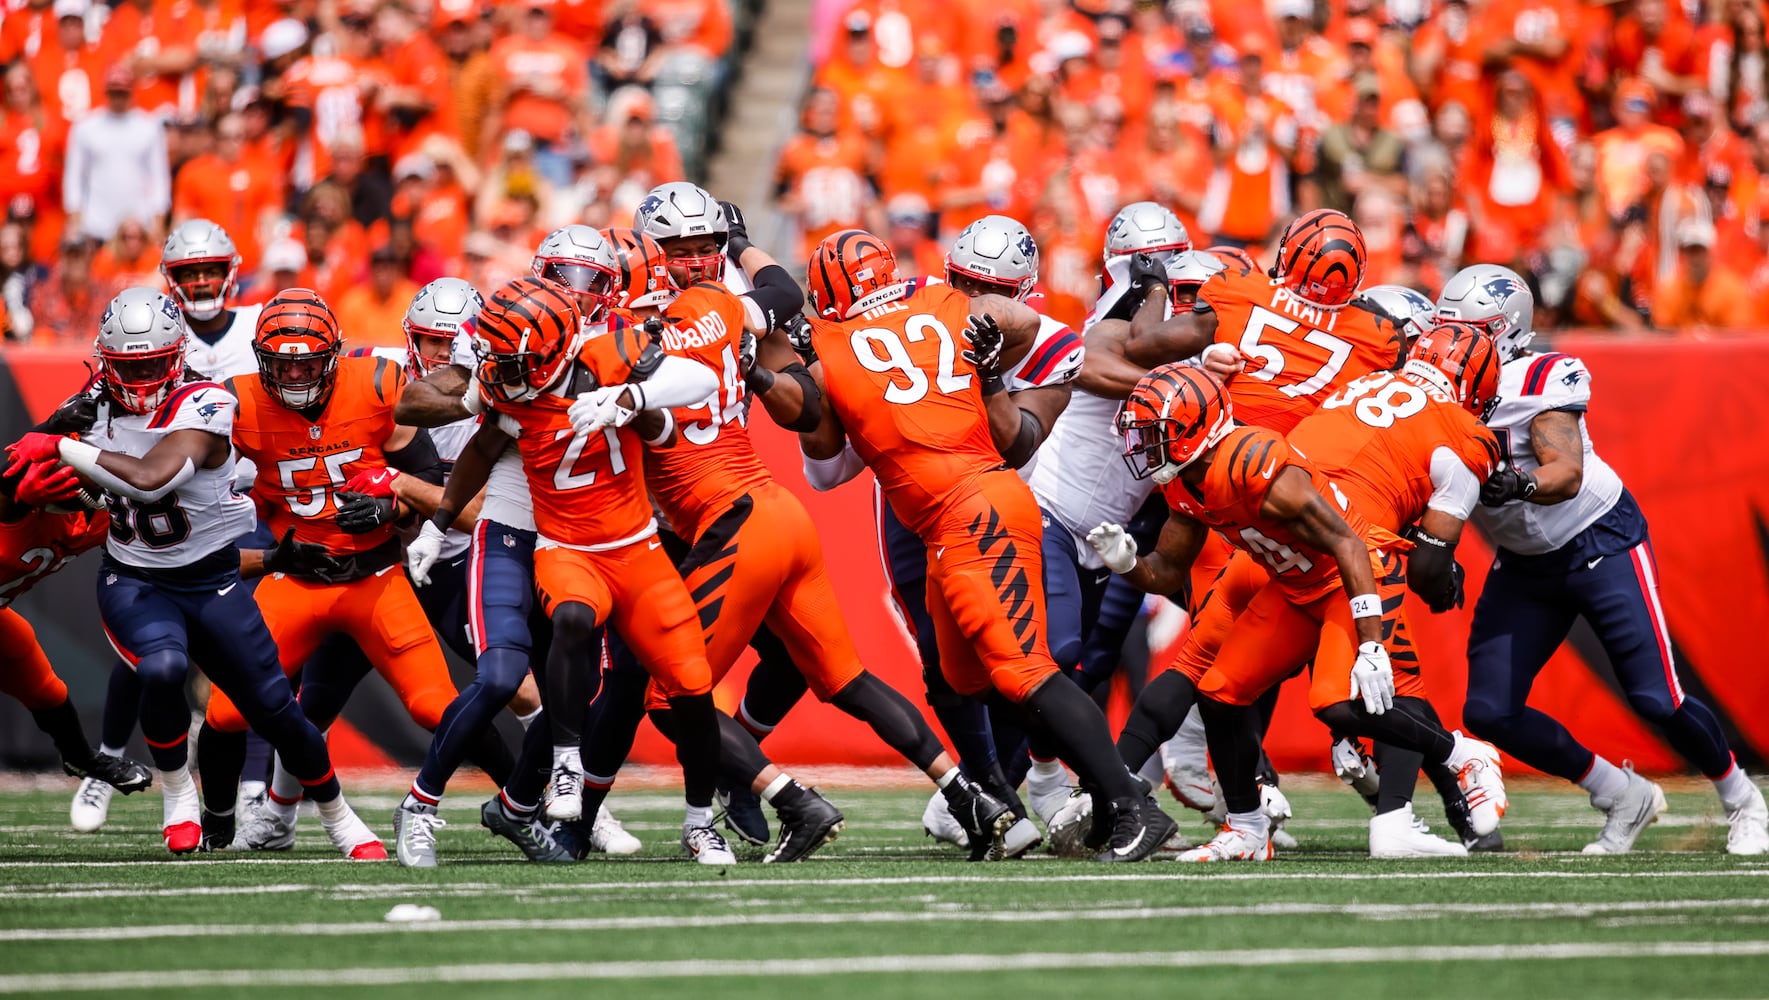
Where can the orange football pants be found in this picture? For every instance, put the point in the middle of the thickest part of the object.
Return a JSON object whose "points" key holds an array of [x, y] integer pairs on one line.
{"points": [[760, 563], [25, 673], [382, 615], [985, 589], [637, 589], [1273, 638], [1225, 594]]}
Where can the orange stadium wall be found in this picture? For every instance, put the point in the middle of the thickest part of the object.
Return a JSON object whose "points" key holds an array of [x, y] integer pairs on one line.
{"points": [[1685, 422]]}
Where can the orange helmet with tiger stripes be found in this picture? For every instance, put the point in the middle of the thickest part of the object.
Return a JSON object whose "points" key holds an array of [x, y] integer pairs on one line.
{"points": [[1461, 358], [1233, 257], [1174, 414], [525, 338], [850, 272], [298, 341], [1321, 258], [643, 281]]}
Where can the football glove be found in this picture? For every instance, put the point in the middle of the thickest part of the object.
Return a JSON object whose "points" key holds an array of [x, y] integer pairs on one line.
{"points": [[423, 552], [46, 483], [1372, 679], [76, 416], [798, 333], [290, 556], [1115, 547], [359, 513], [1506, 485], [1146, 274], [373, 482], [758, 378], [34, 447], [599, 408], [737, 239]]}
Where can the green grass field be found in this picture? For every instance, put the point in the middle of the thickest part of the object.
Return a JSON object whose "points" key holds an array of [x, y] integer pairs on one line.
{"points": [[884, 912]]}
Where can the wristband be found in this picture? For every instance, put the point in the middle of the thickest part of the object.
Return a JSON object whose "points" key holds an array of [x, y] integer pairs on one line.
{"points": [[993, 384], [1366, 606], [474, 401], [735, 246], [444, 519]]}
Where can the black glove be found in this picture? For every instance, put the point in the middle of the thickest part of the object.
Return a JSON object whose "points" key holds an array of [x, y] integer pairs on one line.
{"points": [[654, 329], [1439, 603], [798, 333], [984, 352], [76, 416], [1507, 485], [758, 378], [739, 231], [290, 556], [1146, 274], [359, 513]]}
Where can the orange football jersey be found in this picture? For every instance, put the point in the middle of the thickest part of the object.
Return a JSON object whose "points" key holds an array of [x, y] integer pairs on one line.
{"points": [[897, 379], [588, 492], [1297, 354], [1246, 463], [1376, 440], [302, 463], [714, 462], [37, 545]]}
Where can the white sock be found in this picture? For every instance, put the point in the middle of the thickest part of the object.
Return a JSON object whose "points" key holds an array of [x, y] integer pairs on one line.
{"points": [[334, 812], [1604, 780], [566, 756], [1047, 769], [950, 776], [1255, 822], [285, 788], [774, 787], [1734, 787], [107, 749], [176, 783], [698, 816]]}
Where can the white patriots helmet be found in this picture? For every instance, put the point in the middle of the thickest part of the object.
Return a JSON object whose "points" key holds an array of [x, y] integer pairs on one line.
{"points": [[140, 348], [1146, 227], [678, 210], [442, 310], [1497, 300], [995, 251], [1188, 269], [580, 258], [186, 263], [1410, 308]]}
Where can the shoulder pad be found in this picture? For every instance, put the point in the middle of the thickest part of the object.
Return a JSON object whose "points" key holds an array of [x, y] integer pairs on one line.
{"points": [[1254, 459]]}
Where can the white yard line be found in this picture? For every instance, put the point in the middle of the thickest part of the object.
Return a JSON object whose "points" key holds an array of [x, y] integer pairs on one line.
{"points": [[308, 978], [962, 913]]}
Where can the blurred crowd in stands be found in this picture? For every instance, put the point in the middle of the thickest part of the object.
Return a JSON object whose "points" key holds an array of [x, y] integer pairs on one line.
{"points": [[1612, 152], [358, 147]]}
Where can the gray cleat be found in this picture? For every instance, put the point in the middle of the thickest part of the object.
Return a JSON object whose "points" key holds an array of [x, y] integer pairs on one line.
{"points": [[528, 834], [414, 835]]}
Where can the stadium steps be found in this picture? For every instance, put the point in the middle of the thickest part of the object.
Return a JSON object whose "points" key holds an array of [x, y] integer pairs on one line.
{"points": [[763, 110]]}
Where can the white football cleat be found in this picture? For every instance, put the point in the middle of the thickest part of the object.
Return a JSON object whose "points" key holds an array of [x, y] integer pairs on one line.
{"points": [[1276, 807], [565, 795], [1749, 833], [1476, 763], [1399, 834], [939, 823], [1046, 795], [1629, 813], [1231, 844], [270, 826], [351, 836], [91, 805], [1021, 837], [609, 837], [706, 847], [1070, 826]]}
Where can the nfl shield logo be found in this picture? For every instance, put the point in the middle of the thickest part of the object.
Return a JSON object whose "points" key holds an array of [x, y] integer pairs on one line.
{"points": [[313, 432]]}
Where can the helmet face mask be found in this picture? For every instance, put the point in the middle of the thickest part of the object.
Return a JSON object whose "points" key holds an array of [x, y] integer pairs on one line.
{"points": [[525, 338], [1172, 417], [441, 311], [141, 343], [582, 260], [200, 264], [644, 279], [691, 226]]}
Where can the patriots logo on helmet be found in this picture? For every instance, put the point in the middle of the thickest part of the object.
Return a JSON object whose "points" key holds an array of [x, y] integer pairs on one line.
{"points": [[1027, 248], [1502, 286], [649, 206]]}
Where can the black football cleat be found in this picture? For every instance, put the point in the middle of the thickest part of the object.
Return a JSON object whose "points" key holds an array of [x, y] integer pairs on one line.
{"points": [[573, 836], [121, 773], [744, 816], [218, 831], [526, 832], [1138, 829], [984, 818], [807, 824]]}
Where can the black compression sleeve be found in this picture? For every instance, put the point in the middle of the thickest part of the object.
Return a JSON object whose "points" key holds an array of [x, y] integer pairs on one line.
{"points": [[811, 415], [1431, 570], [419, 458], [1026, 442], [775, 294]]}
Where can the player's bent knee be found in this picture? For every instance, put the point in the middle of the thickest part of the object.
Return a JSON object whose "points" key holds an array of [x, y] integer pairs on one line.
{"points": [[501, 671], [1220, 688], [573, 621], [1652, 707], [1016, 682], [1340, 717], [166, 667]]}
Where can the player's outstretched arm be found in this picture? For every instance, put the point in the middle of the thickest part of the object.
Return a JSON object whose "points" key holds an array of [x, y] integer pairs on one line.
{"points": [[1166, 569], [438, 398], [1154, 341], [169, 464], [793, 401], [1293, 500], [774, 297], [1107, 371], [1560, 448]]}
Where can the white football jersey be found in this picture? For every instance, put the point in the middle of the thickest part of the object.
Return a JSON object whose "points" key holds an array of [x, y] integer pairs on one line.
{"points": [[449, 440], [506, 490], [1081, 479], [231, 354], [201, 516], [1528, 387]]}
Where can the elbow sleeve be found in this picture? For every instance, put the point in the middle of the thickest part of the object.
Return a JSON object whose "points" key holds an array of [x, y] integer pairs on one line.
{"points": [[1432, 572], [775, 295], [811, 413], [826, 474], [1026, 442]]}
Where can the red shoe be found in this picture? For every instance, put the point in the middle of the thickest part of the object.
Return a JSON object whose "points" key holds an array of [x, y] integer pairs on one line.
{"points": [[368, 850], [183, 838]]}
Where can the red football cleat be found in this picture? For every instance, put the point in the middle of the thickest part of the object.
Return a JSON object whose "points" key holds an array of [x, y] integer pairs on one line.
{"points": [[183, 838], [369, 850]]}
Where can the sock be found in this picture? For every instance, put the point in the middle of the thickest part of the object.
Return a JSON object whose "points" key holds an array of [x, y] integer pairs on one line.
{"points": [[1604, 780], [515, 809], [421, 800], [113, 751], [176, 782], [1255, 822], [1397, 774], [783, 792], [332, 811], [697, 816], [697, 746], [567, 756], [218, 757], [1734, 787], [284, 787], [1047, 768], [62, 724], [1234, 749], [530, 717]]}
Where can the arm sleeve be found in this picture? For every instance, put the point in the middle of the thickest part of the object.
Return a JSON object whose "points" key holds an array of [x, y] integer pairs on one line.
{"points": [[774, 297], [1455, 489], [419, 458], [676, 382], [83, 459], [827, 473]]}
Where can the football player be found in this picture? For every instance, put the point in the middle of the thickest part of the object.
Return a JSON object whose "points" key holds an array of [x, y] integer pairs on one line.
{"points": [[902, 396], [200, 265], [325, 425], [580, 410], [169, 585], [1334, 586], [1144, 227], [1571, 543]]}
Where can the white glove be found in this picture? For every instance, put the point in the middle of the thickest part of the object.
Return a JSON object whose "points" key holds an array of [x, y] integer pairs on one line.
{"points": [[1115, 546], [600, 408], [423, 552], [1372, 678], [473, 400]]}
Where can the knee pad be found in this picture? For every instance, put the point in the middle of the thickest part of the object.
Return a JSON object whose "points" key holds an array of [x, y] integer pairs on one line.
{"points": [[164, 668], [501, 671], [574, 621], [1652, 707]]}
